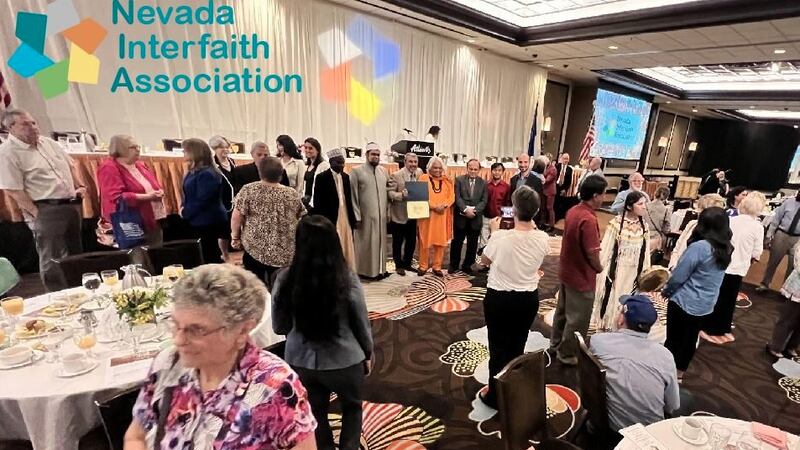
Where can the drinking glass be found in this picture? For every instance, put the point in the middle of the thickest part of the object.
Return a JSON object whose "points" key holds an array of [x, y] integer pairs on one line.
{"points": [[110, 277], [748, 443], [91, 281], [60, 302], [718, 436], [85, 340], [173, 272], [63, 141], [13, 307], [53, 343]]}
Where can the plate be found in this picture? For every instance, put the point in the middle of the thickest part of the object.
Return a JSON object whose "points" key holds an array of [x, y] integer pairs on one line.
{"points": [[92, 305], [702, 439], [49, 311], [37, 356], [62, 372], [24, 334]]}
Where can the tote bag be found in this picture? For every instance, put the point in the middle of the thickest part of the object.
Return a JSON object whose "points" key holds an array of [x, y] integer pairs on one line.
{"points": [[128, 228]]}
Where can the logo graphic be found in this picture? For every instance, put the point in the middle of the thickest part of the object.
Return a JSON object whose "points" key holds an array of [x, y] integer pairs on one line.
{"points": [[84, 36], [353, 55]]}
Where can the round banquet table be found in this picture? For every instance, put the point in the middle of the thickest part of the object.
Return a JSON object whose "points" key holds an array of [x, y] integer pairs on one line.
{"points": [[53, 412], [662, 431]]}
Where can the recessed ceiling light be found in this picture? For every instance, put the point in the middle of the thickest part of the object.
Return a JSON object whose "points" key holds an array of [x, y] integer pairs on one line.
{"points": [[549, 65], [471, 41], [752, 107], [779, 51], [796, 126], [613, 47], [694, 109], [668, 102], [770, 114]]}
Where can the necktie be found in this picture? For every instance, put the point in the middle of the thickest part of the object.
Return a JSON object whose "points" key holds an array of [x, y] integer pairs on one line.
{"points": [[561, 174], [472, 187]]}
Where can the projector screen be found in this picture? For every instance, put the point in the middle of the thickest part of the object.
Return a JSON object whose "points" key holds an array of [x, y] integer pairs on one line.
{"points": [[620, 125], [794, 168]]}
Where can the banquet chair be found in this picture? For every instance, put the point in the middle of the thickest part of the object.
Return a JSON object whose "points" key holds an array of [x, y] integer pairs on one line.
{"points": [[185, 252], [592, 386], [73, 267], [9, 277], [522, 401], [115, 410]]}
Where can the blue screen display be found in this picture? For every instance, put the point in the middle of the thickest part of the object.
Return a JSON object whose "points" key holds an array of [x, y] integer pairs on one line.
{"points": [[620, 125]]}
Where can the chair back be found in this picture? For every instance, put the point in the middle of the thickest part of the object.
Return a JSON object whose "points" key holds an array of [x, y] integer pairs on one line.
{"points": [[522, 401], [185, 252], [73, 267], [592, 383], [9, 277], [690, 216], [116, 413]]}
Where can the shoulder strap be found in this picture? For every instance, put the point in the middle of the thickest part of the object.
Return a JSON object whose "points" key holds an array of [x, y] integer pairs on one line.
{"points": [[163, 413]]}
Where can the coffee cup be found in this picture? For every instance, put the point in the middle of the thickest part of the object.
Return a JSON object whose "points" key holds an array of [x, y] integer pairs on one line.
{"points": [[74, 362], [691, 428], [15, 355]]}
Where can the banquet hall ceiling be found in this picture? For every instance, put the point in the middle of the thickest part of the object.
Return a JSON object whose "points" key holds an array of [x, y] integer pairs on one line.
{"points": [[678, 37]]}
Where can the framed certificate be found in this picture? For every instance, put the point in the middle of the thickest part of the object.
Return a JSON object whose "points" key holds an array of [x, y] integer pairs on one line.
{"points": [[417, 204]]}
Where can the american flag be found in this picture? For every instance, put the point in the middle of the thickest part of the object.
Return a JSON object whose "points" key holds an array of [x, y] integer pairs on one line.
{"points": [[588, 141], [5, 96]]}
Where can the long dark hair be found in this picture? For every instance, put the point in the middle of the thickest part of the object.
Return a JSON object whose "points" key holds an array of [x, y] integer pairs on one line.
{"points": [[289, 147], [713, 226], [314, 143], [318, 279]]}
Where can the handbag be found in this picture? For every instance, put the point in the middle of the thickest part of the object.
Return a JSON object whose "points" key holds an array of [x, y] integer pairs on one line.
{"points": [[128, 227]]}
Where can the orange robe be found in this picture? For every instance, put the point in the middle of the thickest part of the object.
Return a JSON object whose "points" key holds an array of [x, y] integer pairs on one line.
{"points": [[437, 230]]}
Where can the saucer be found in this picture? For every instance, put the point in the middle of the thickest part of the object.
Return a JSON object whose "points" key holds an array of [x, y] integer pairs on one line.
{"points": [[701, 439], [106, 339], [37, 356], [61, 372], [93, 305]]}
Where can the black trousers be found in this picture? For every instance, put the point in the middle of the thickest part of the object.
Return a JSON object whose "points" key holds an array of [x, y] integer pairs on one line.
{"points": [[208, 236], [472, 237], [682, 332], [509, 316], [346, 383], [786, 335], [264, 272], [404, 242], [719, 322]]}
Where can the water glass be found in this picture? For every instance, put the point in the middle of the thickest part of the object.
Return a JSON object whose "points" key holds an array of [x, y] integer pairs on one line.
{"points": [[110, 278], [748, 443], [91, 281], [718, 436]]}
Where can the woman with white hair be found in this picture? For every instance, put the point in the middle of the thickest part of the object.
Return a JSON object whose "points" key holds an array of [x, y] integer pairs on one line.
{"points": [[214, 388], [704, 202], [436, 231], [122, 177], [221, 147], [748, 244]]}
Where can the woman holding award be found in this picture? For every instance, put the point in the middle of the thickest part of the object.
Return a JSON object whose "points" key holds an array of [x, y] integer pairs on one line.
{"points": [[436, 231]]}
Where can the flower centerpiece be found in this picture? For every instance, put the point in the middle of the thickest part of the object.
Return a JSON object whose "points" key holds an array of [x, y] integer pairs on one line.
{"points": [[138, 305]]}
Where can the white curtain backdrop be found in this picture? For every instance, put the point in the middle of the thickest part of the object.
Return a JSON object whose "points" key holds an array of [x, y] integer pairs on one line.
{"points": [[483, 103]]}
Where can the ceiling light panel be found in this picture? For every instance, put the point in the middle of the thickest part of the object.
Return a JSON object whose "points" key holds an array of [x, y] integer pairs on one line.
{"points": [[531, 13], [762, 76], [768, 114]]}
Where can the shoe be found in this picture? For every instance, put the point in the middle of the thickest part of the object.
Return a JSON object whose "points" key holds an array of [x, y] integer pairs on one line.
{"points": [[466, 270], [773, 353], [438, 273], [762, 288], [421, 272], [486, 402], [792, 354], [452, 269], [400, 271]]}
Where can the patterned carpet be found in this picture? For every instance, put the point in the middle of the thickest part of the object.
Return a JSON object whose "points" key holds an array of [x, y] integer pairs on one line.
{"points": [[431, 356]]}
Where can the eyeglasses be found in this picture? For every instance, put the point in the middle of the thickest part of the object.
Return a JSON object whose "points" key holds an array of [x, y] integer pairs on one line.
{"points": [[192, 332]]}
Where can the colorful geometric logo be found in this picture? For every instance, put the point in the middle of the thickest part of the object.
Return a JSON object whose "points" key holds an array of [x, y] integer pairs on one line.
{"points": [[361, 49], [84, 36]]}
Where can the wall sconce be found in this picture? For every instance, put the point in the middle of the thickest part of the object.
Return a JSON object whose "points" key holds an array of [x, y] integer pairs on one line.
{"points": [[548, 122], [662, 142], [692, 146]]}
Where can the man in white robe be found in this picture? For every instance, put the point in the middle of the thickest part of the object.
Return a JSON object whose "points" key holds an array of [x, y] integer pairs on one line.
{"points": [[368, 183]]}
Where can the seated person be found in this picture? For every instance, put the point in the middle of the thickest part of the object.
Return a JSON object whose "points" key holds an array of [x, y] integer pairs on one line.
{"points": [[641, 380]]}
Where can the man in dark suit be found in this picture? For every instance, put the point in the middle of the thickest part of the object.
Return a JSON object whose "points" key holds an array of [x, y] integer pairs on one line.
{"points": [[248, 173], [331, 189], [530, 178], [470, 202], [563, 183]]}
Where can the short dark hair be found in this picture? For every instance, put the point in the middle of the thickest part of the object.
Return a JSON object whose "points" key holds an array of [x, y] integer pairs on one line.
{"points": [[434, 129], [526, 203], [591, 186], [270, 169], [498, 164], [538, 165]]}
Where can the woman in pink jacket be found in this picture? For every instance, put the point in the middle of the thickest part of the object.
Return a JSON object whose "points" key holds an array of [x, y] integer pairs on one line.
{"points": [[122, 175]]}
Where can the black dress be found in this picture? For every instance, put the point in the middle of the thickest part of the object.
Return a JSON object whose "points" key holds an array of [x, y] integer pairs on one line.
{"points": [[308, 179]]}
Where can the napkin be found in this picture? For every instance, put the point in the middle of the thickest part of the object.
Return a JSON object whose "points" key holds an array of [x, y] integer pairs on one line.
{"points": [[771, 435]]}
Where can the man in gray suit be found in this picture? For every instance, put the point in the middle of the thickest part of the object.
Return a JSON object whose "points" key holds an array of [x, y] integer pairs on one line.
{"points": [[403, 229], [470, 203]]}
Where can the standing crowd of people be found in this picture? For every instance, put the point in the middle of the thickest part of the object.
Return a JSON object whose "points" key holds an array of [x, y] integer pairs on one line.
{"points": [[293, 217]]}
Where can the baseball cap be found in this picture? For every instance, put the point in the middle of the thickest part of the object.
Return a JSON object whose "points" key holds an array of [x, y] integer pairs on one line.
{"points": [[640, 314]]}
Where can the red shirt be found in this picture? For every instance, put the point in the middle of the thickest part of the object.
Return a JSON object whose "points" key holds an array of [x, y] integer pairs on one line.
{"points": [[581, 239], [498, 195]]}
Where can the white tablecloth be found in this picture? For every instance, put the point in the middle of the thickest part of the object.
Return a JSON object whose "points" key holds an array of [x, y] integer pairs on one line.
{"points": [[663, 432], [54, 413]]}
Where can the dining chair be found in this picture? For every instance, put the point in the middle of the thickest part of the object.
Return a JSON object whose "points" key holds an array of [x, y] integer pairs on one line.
{"points": [[9, 277], [522, 401], [116, 413], [74, 266], [592, 386], [185, 252]]}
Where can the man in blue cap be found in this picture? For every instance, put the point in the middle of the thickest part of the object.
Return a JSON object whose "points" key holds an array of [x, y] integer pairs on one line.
{"points": [[641, 378]]}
